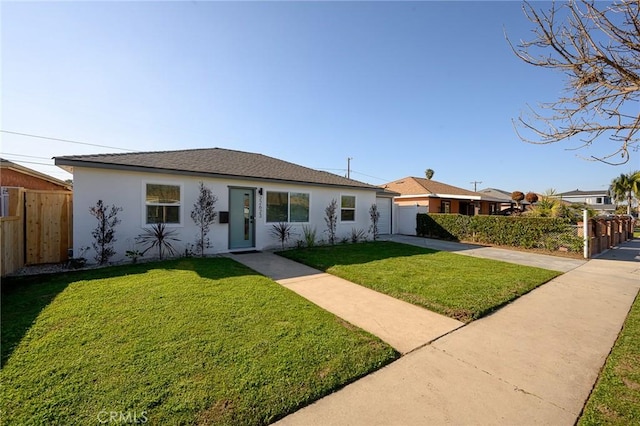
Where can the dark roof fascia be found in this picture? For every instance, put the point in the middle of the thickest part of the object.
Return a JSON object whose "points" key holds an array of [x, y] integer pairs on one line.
{"points": [[143, 169], [579, 193], [383, 192]]}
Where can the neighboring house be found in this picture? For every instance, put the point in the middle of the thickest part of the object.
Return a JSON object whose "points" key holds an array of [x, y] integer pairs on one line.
{"points": [[253, 192], [13, 175], [600, 200], [437, 197], [503, 198]]}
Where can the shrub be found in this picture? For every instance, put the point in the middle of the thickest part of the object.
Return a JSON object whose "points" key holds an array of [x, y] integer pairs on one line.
{"points": [[158, 236], [374, 214], [203, 214], [331, 219], [104, 233], [309, 235], [519, 231], [358, 235], [282, 232]]}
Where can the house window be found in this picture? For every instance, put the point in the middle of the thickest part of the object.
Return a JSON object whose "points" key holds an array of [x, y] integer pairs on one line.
{"points": [[598, 200], [348, 208], [287, 207], [446, 207], [162, 203], [299, 203]]}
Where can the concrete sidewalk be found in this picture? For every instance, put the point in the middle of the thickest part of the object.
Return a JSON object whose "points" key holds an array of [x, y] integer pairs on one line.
{"points": [[533, 362]]}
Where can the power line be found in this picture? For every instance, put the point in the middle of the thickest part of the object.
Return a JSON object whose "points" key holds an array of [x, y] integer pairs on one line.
{"points": [[65, 140], [35, 162], [27, 156], [374, 177]]}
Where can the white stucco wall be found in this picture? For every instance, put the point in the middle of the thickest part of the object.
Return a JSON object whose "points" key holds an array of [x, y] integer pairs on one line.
{"points": [[127, 190]]}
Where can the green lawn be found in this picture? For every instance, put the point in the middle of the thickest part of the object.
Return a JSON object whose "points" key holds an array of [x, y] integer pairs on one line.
{"points": [[461, 287], [204, 341], [615, 400]]}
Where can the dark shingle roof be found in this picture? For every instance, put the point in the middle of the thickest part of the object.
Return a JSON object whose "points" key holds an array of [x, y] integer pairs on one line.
{"points": [[216, 162], [579, 193]]}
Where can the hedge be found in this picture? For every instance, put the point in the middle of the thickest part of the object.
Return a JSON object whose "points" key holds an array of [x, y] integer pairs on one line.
{"points": [[516, 231]]}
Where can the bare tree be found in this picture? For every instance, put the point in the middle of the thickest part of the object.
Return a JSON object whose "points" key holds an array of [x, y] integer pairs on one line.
{"points": [[598, 48]]}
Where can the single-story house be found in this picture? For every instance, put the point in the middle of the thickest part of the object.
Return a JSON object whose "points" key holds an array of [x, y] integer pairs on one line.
{"points": [[502, 197], [253, 192], [437, 197]]}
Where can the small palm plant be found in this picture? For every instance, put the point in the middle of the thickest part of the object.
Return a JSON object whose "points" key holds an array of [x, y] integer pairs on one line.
{"points": [[158, 236], [282, 232]]}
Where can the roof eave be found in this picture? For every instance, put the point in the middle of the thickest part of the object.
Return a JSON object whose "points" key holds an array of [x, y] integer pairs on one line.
{"points": [[452, 196], [69, 164]]}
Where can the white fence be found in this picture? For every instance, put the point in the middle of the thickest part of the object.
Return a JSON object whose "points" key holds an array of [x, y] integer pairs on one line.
{"points": [[406, 219]]}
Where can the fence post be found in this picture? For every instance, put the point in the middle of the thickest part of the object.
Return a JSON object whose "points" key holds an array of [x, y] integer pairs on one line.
{"points": [[585, 232]]}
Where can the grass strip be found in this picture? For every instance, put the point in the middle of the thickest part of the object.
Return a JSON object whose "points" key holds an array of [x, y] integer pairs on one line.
{"points": [[461, 287], [615, 399]]}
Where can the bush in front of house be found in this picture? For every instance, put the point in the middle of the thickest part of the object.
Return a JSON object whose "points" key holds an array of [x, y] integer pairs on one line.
{"points": [[516, 231], [203, 215], [104, 233]]}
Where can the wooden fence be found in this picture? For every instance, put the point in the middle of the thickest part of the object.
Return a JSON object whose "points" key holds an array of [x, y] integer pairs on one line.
{"points": [[12, 233], [39, 229]]}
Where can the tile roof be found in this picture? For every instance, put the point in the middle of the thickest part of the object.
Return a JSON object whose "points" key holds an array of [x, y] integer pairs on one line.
{"points": [[420, 186], [216, 162]]}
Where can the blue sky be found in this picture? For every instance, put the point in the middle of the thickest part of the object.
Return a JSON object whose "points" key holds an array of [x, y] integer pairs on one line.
{"points": [[397, 86]]}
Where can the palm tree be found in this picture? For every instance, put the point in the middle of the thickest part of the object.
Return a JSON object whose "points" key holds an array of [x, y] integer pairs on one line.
{"points": [[429, 173], [626, 188]]}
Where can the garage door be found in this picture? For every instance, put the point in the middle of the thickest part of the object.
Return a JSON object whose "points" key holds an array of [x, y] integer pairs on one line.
{"points": [[384, 207]]}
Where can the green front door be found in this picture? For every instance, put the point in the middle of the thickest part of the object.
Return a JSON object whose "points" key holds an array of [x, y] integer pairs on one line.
{"points": [[241, 218]]}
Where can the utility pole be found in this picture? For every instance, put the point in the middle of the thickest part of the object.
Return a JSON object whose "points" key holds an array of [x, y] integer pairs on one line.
{"points": [[475, 185], [349, 167]]}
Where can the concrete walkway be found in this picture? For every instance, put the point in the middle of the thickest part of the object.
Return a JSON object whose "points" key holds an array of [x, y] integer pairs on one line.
{"points": [[533, 362], [402, 325]]}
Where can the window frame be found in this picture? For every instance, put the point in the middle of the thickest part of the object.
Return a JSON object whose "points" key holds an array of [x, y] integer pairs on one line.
{"points": [[354, 208], [145, 204], [288, 218], [446, 206]]}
